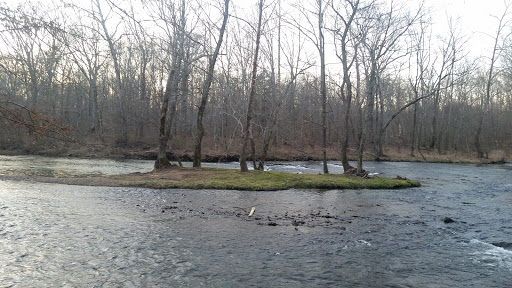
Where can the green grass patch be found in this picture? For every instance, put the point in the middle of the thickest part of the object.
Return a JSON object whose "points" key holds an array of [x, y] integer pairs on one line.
{"points": [[212, 178]]}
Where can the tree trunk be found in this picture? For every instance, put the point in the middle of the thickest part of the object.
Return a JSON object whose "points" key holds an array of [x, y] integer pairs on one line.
{"points": [[143, 92], [323, 88], [206, 90], [277, 92], [414, 125], [162, 161], [252, 94], [367, 125], [380, 124], [433, 139], [347, 82], [34, 87], [171, 92], [117, 69], [486, 100], [97, 112]]}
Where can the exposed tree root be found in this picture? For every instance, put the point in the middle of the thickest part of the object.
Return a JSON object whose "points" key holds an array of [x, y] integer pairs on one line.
{"points": [[353, 171]]}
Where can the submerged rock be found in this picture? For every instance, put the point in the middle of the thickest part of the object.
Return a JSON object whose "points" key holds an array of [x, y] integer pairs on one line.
{"points": [[448, 220], [505, 245], [298, 223]]}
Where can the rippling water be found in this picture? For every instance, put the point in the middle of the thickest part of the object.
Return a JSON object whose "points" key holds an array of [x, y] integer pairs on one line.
{"points": [[74, 236], [69, 167]]}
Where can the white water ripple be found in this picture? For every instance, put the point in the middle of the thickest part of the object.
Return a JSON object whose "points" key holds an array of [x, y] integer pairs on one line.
{"points": [[490, 255]]}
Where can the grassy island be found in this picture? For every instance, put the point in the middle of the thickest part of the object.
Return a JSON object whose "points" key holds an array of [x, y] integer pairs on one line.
{"points": [[215, 178]]}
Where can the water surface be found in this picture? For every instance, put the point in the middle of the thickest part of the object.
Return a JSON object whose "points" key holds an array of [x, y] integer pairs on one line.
{"points": [[73, 236]]}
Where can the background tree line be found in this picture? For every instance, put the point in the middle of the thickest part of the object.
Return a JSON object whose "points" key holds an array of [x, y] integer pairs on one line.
{"points": [[356, 77]]}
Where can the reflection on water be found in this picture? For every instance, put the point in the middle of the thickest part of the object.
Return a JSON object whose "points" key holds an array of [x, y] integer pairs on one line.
{"points": [[73, 236]]}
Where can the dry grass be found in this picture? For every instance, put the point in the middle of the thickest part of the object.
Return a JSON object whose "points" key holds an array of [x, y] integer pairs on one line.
{"points": [[280, 150], [493, 156]]}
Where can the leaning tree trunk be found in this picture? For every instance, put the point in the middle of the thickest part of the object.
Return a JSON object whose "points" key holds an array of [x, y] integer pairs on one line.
{"points": [[347, 82], [171, 92], [206, 90], [277, 92]]}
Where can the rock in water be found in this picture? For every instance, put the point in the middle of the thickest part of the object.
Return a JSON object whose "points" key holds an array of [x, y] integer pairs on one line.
{"points": [[448, 220], [505, 245]]}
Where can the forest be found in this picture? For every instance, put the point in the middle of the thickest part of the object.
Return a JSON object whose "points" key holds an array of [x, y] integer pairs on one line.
{"points": [[328, 79]]}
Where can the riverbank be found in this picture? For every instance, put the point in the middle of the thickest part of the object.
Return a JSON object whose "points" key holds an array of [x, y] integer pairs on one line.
{"points": [[228, 179], [145, 151], [232, 179]]}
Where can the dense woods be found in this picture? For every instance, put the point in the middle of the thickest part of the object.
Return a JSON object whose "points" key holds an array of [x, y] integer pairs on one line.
{"points": [[353, 77]]}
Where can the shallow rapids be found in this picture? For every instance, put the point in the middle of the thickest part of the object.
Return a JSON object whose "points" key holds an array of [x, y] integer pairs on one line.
{"points": [[73, 236]]}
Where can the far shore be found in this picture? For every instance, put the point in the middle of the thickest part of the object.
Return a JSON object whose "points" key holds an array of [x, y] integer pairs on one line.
{"points": [[148, 152]]}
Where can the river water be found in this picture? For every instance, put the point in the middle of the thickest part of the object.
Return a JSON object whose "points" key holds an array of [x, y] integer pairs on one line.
{"points": [[54, 235]]}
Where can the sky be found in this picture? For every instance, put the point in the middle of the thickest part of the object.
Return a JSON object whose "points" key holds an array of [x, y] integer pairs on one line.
{"points": [[478, 20], [474, 16]]}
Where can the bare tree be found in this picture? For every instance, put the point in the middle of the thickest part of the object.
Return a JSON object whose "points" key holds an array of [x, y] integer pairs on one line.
{"points": [[23, 33], [342, 35], [113, 53], [383, 45], [82, 44], [323, 87], [314, 31], [206, 88], [279, 91], [143, 43], [503, 22], [252, 93], [448, 59], [178, 26], [88, 63]]}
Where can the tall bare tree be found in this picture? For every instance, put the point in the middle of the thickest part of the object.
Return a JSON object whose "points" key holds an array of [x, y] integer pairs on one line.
{"points": [[314, 31], [117, 69], [323, 86], [503, 22], [252, 94], [342, 34], [177, 34], [206, 88], [384, 46]]}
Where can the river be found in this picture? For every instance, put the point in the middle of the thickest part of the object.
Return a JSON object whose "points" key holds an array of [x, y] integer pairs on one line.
{"points": [[54, 235]]}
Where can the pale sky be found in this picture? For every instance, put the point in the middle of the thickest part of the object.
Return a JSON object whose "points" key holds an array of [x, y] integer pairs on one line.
{"points": [[476, 20]]}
